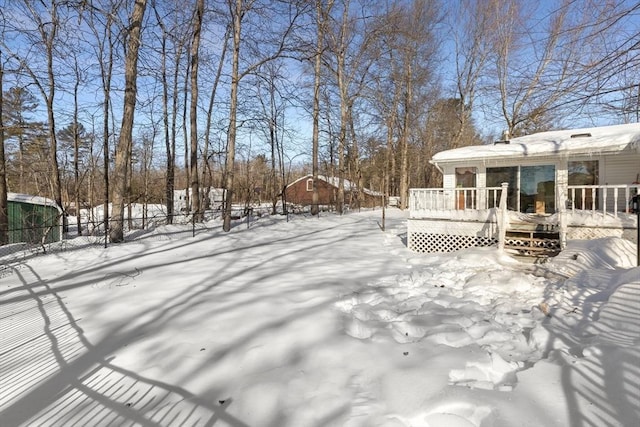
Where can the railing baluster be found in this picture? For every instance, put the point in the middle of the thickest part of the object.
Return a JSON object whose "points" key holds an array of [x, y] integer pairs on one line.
{"points": [[583, 198], [573, 200]]}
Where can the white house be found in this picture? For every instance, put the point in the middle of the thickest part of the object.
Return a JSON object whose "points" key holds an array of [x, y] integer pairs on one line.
{"points": [[216, 197], [558, 185]]}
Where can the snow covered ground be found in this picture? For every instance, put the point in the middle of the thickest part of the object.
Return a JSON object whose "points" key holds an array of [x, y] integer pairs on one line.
{"points": [[318, 322]]}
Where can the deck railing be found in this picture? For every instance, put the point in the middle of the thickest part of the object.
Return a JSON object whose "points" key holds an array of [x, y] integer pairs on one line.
{"points": [[606, 199], [442, 199]]}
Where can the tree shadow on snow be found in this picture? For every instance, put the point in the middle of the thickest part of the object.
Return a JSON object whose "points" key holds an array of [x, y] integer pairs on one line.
{"points": [[56, 376], [600, 371]]}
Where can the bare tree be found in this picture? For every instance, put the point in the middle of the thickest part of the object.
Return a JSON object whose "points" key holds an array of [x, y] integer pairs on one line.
{"points": [[609, 80], [79, 76], [208, 178], [123, 151], [174, 37], [553, 69], [275, 47], [47, 22], [195, 58], [472, 26], [349, 57], [170, 146], [321, 18], [403, 76], [237, 11], [101, 24], [4, 208], [268, 97]]}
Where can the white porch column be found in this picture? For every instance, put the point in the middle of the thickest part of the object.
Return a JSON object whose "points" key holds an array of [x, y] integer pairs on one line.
{"points": [[562, 198], [503, 220]]}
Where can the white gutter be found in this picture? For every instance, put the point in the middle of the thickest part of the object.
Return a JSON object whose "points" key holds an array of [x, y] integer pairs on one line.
{"points": [[437, 166]]}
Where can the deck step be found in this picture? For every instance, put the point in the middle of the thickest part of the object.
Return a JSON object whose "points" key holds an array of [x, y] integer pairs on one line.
{"points": [[532, 241], [533, 227]]}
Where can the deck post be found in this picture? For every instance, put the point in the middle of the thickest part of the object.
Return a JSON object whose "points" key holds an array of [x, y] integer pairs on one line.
{"points": [[502, 217]]}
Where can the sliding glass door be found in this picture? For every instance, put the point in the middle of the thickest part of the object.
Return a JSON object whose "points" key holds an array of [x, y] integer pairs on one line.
{"points": [[531, 188], [509, 174], [538, 189]]}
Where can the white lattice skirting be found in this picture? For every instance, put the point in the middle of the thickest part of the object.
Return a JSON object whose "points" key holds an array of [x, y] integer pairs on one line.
{"points": [[441, 235], [438, 235], [588, 233]]}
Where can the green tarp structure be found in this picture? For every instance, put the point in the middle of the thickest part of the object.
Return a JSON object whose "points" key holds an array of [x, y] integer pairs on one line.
{"points": [[31, 218]]}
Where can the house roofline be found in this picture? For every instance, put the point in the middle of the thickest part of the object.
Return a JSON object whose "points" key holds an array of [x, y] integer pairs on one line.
{"points": [[34, 200], [348, 184], [605, 140]]}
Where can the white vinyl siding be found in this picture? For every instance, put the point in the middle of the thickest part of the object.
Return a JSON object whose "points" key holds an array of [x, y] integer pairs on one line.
{"points": [[619, 170]]}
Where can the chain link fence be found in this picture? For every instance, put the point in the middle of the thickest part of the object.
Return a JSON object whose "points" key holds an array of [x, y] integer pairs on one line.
{"points": [[36, 239], [92, 231]]}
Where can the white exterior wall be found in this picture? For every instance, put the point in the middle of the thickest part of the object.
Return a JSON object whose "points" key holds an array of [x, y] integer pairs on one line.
{"points": [[449, 177], [619, 170], [481, 178]]}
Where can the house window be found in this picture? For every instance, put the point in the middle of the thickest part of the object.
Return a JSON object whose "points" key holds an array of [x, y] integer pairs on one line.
{"points": [[466, 178], [310, 184], [583, 173]]}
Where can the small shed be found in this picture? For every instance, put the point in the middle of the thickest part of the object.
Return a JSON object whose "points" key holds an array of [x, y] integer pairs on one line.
{"points": [[215, 198], [300, 192], [33, 219]]}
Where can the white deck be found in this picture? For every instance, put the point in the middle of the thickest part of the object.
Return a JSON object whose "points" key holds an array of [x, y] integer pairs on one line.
{"points": [[446, 220]]}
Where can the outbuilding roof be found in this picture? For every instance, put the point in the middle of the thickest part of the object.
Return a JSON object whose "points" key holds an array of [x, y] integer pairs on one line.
{"points": [[34, 200], [334, 181], [574, 142]]}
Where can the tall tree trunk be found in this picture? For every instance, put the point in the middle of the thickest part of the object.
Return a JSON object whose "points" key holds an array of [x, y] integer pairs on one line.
{"points": [[343, 90], [404, 167], [357, 178], [76, 149], [195, 184], [4, 205], [21, 153], [126, 132], [174, 119], [49, 40], [187, 169], [170, 152], [106, 71], [316, 103], [233, 111], [273, 140], [207, 132], [169, 147], [390, 157]]}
